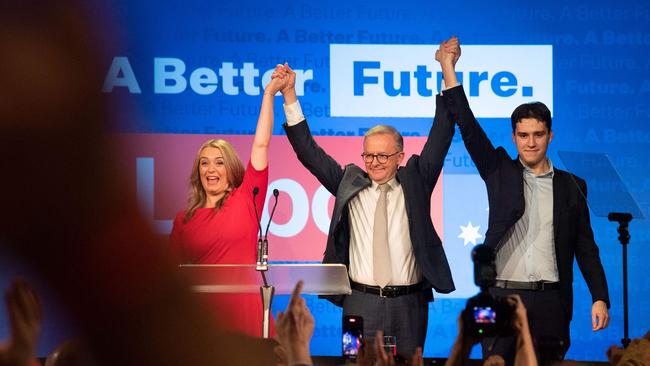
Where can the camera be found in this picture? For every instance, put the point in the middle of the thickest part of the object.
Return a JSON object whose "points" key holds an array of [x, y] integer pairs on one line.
{"points": [[486, 315]]}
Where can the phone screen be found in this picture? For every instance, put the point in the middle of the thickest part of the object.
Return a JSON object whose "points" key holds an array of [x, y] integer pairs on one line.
{"points": [[352, 335], [484, 315]]}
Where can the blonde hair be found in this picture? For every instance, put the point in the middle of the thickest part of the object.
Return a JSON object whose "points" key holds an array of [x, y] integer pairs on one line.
{"points": [[386, 130], [234, 171]]}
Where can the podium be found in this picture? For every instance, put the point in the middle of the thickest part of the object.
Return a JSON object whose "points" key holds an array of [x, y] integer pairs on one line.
{"points": [[319, 279]]}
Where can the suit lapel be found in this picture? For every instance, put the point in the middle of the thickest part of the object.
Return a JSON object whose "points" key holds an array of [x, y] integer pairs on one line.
{"points": [[558, 199], [356, 184], [350, 185]]}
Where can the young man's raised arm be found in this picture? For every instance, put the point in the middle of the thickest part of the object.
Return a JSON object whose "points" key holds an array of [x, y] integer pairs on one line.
{"points": [[476, 141]]}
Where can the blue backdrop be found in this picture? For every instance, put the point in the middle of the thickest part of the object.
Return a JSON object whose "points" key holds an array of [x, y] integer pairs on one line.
{"points": [[196, 67]]}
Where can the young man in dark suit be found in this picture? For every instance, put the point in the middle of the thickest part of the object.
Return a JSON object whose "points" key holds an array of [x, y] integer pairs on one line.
{"points": [[538, 220], [381, 226]]}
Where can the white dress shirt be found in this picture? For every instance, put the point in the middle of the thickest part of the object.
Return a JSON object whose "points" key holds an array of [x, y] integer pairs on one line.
{"points": [[528, 250], [404, 268]]}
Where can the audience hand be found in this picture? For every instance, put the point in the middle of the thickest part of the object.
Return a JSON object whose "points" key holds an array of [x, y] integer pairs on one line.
{"points": [[376, 355], [494, 360], [525, 353], [462, 345], [614, 354], [383, 358], [636, 353], [280, 356], [366, 355], [294, 329], [519, 316], [417, 359], [25, 325]]}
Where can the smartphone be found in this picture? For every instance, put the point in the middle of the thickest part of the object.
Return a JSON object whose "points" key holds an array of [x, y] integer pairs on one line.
{"points": [[352, 335]]}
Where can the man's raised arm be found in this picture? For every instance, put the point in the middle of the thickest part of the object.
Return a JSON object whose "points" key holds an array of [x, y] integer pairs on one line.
{"points": [[476, 141]]}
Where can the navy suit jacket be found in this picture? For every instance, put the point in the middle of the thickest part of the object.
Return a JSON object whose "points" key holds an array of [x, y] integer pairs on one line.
{"points": [[504, 180], [417, 178]]}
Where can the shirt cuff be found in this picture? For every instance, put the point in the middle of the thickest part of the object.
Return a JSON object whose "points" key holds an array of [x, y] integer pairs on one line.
{"points": [[293, 112], [444, 87]]}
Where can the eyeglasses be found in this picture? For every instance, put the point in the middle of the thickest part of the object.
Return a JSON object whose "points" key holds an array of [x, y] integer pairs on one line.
{"points": [[381, 158]]}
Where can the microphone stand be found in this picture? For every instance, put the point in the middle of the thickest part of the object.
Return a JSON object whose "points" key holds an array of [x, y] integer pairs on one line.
{"points": [[256, 191], [266, 290], [265, 242], [623, 219]]}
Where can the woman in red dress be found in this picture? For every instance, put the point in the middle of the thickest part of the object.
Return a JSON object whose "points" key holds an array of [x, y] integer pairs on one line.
{"points": [[219, 225]]}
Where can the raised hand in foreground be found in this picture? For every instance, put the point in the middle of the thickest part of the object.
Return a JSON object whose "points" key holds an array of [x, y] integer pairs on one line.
{"points": [[294, 329], [25, 324]]}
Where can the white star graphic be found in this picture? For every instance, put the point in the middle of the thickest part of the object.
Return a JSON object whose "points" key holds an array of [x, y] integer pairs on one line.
{"points": [[469, 234]]}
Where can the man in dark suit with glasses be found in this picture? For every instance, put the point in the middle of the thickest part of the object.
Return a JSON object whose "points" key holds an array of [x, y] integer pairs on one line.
{"points": [[381, 226]]}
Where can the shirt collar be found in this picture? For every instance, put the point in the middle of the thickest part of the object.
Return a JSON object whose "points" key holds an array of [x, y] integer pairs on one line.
{"points": [[549, 173], [393, 183]]}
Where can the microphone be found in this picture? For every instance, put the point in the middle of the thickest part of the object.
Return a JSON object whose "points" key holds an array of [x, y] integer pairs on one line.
{"points": [[265, 243], [256, 191], [619, 217]]}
